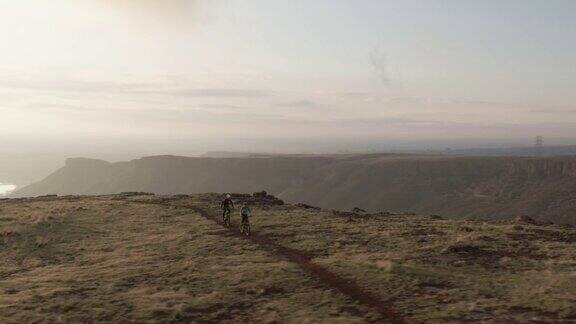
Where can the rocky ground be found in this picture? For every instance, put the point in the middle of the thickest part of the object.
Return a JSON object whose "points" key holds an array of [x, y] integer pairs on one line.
{"points": [[136, 257]]}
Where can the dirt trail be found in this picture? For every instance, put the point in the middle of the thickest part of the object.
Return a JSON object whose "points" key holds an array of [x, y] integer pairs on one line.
{"points": [[347, 287]]}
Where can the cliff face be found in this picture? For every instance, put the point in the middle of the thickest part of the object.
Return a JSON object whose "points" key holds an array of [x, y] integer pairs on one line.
{"points": [[460, 187], [544, 168], [172, 174]]}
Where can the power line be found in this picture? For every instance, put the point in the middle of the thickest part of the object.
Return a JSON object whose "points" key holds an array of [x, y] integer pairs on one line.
{"points": [[539, 146]]}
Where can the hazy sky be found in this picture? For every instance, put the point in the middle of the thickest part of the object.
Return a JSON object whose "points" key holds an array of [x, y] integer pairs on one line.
{"points": [[230, 70]]}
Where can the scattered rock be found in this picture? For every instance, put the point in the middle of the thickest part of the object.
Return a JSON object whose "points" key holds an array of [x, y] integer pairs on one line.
{"points": [[9, 232], [240, 196], [386, 265], [271, 291], [10, 291], [135, 193], [41, 242], [524, 219], [339, 212], [260, 194], [504, 261], [261, 198], [463, 249], [459, 263], [306, 206], [47, 196]]}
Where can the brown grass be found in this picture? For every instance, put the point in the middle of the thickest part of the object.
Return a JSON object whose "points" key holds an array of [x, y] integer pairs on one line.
{"points": [[152, 259], [117, 261]]}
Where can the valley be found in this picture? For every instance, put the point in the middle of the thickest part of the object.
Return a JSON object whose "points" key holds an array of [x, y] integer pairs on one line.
{"points": [[455, 187]]}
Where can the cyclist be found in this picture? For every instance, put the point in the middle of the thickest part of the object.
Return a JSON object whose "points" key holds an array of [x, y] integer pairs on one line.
{"points": [[245, 213], [227, 206]]}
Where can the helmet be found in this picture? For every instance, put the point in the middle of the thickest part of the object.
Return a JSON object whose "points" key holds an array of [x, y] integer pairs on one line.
{"points": [[227, 195]]}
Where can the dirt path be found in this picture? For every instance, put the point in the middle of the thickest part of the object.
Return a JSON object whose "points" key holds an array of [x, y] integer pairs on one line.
{"points": [[345, 286]]}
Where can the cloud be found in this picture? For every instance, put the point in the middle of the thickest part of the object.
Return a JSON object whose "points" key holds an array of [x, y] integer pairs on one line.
{"points": [[355, 94], [221, 93], [219, 106], [300, 104], [554, 111], [163, 10], [56, 107], [72, 85], [112, 87], [484, 104]]}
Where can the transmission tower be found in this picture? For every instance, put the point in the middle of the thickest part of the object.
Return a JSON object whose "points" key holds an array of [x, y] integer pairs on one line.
{"points": [[539, 146]]}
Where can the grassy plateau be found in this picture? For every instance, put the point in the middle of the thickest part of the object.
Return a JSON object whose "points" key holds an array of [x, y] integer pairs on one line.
{"points": [[137, 257]]}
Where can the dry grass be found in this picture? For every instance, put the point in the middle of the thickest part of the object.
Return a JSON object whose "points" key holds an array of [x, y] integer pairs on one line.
{"points": [[440, 270], [143, 259], [115, 261]]}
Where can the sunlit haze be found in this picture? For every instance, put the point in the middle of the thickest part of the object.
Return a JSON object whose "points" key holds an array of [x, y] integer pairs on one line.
{"points": [[186, 76]]}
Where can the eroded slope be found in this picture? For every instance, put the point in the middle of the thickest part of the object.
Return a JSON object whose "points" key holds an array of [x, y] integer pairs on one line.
{"points": [[457, 187]]}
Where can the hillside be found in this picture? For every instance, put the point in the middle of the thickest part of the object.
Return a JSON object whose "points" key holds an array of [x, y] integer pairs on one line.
{"points": [[548, 150], [142, 258], [456, 187]]}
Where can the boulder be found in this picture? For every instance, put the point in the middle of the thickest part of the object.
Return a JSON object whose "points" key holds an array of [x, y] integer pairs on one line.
{"points": [[306, 206], [260, 194], [524, 219]]}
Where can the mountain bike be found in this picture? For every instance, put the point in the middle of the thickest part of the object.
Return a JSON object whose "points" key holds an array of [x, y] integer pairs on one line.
{"points": [[245, 228], [226, 218]]}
